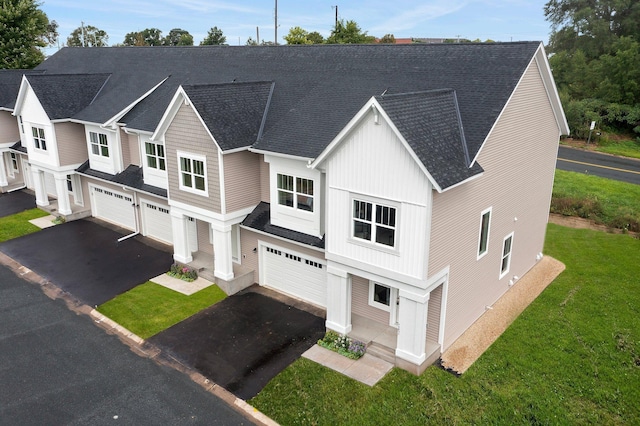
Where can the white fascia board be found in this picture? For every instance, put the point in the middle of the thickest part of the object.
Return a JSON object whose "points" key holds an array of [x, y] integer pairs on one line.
{"points": [[6, 109], [232, 151], [119, 115], [278, 154], [462, 182], [372, 103], [22, 92], [276, 237], [169, 113], [552, 91], [131, 131], [128, 188]]}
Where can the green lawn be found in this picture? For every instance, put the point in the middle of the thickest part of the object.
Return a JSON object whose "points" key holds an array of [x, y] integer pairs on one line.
{"points": [[150, 308], [614, 203], [17, 225], [625, 148], [573, 357]]}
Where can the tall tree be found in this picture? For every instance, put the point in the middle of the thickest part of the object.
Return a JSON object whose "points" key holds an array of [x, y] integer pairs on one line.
{"points": [[388, 39], [88, 36], [315, 37], [297, 35], [178, 37], [146, 37], [24, 29], [348, 32], [214, 37]]}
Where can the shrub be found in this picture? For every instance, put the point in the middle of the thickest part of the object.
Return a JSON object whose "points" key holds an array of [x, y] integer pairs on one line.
{"points": [[588, 208], [343, 345], [183, 272]]}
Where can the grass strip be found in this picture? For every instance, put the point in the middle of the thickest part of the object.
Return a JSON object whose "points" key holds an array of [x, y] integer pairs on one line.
{"points": [[17, 225], [572, 357], [150, 308]]}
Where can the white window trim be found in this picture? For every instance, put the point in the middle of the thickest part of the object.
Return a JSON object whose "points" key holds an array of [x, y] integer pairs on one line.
{"points": [[372, 243], [192, 157], [379, 305], [509, 255], [486, 250], [14, 167], [99, 145], [42, 138], [21, 123], [156, 156], [295, 193]]}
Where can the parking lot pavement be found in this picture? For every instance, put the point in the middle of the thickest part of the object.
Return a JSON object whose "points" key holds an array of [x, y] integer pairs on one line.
{"points": [[16, 202]]}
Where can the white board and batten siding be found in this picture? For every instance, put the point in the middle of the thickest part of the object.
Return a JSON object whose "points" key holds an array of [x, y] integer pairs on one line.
{"points": [[156, 221], [519, 163], [373, 162], [294, 273]]}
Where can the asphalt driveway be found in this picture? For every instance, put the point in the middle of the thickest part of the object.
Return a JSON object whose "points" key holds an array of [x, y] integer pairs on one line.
{"points": [[242, 342], [16, 202], [85, 259]]}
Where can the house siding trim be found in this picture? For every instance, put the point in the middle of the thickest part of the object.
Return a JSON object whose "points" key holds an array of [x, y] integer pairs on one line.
{"points": [[257, 231], [209, 215]]}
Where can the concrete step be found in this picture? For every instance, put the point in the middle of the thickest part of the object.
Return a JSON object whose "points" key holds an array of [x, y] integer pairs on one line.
{"points": [[382, 352]]}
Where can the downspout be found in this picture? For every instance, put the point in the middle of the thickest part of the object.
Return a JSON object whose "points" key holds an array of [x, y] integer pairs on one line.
{"points": [[135, 206]]}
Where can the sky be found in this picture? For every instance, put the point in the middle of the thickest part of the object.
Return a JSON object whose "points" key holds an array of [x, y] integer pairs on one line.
{"points": [[498, 20]]}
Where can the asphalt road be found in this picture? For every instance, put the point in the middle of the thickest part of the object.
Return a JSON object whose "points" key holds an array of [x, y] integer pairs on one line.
{"points": [[607, 166], [56, 367]]}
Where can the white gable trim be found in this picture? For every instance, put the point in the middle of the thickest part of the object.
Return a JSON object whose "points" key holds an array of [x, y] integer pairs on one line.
{"points": [[25, 87], [170, 113], [374, 105], [112, 121], [554, 98]]}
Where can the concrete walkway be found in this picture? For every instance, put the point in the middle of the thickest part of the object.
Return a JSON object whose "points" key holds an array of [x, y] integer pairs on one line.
{"points": [[368, 369], [43, 222], [181, 286], [477, 338]]}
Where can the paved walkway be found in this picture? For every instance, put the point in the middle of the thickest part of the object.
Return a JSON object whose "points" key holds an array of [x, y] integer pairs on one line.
{"points": [[368, 369], [43, 222], [181, 286], [477, 338]]}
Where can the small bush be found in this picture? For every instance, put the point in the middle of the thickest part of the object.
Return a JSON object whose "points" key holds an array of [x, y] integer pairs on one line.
{"points": [[342, 344], [588, 208], [183, 272], [626, 222]]}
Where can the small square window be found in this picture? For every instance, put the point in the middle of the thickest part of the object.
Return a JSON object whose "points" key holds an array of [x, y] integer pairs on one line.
{"points": [[380, 296], [99, 144], [39, 140], [192, 174], [295, 192]]}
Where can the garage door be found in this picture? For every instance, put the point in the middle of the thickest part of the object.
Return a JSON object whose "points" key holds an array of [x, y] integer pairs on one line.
{"points": [[156, 221], [297, 275], [113, 206]]}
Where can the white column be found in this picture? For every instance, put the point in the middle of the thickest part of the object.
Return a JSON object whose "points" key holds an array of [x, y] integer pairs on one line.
{"points": [[39, 186], [3, 170], [338, 300], [412, 333], [181, 252], [63, 194], [222, 249]]}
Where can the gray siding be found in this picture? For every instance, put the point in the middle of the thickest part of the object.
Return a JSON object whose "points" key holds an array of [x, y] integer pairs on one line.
{"points": [[519, 162], [241, 180], [360, 301], [204, 237], [72, 144], [9, 131], [134, 150], [186, 133], [124, 145], [433, 315]]}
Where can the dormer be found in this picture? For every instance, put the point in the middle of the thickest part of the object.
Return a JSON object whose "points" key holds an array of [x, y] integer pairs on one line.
{"points": [[105, 150]]}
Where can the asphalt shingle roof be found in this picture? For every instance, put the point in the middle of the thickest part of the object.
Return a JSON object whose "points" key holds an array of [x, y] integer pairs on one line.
{"points": [[131, 177], [233, 112], [10, 84], [64, 96], [430, 123]]}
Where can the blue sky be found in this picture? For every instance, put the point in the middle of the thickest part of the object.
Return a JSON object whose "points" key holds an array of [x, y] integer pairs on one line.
{"points": [[499, 20]]}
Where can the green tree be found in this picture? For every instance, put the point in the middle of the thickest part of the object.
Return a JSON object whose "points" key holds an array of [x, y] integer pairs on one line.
{"points": [[214, 37], [315, 37], [348, 33], [388, 39], [146, 37], [88, 36], [24, 29], [297, 35], [178, 37]]}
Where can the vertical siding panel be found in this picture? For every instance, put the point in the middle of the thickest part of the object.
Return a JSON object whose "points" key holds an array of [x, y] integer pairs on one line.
{"points": [[519, 164], [204, 237], [9, 131], [125, 146], [134, 150], [265, 193], [241, 180], [360, 301], [186, 133], [71, 142], [433, 315]]}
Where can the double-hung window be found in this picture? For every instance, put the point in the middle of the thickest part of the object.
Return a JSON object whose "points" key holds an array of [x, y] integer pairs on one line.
{"points": [[14, 162], [39, 140], [505, 262], [192, 173], [485, 222], [374, 222], [295, 192], [99, 144], [155, 156]]}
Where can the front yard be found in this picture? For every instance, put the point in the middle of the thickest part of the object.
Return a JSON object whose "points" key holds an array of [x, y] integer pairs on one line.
{"points": [[572, 357], [17, 225]]}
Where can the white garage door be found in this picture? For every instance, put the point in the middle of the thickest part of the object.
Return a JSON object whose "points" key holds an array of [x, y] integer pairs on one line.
{"points": [[300, 276], [156, 221], [113, 206]]}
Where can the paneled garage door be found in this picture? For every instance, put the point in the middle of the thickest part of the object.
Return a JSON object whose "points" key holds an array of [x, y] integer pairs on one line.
{"points": [[156, 221], [300, 276], [113, 206]]}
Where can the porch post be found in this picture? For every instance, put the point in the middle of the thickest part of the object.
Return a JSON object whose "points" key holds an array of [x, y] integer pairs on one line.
{"points": [[412, 333], [222, 257], [3, 170], [181, 252], [63, 194], [38, 185], [338, 300]]}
